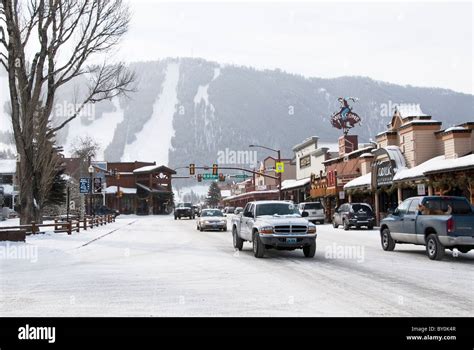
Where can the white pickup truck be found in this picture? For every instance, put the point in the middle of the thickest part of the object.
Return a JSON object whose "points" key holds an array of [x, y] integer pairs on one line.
{"points": [[274, 224]]}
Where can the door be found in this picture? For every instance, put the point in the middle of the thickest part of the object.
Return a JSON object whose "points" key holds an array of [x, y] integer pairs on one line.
{"points": [[409, 223], [246, 223], [398, 218]]}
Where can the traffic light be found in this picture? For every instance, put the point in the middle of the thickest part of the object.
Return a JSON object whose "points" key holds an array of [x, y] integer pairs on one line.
{"points": [[192, 169], [215, 169], [221, 177], [199, 178]]}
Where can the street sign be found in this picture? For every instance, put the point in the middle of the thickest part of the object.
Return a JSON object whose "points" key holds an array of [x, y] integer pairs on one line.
{"points": [[421, 189], [210, 177], [84, 185], [241, 176], [280, 167], [342, 195], [97, 185]]}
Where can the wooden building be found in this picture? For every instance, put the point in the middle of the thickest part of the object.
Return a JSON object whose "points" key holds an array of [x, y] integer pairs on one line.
{"points": [[139, 188]]}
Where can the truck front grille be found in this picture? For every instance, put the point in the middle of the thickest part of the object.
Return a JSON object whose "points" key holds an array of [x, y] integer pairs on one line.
{"points": [[290, 229]]}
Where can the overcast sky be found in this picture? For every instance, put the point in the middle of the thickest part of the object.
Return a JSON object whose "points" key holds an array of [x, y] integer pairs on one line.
{"points": [[422, 44]]}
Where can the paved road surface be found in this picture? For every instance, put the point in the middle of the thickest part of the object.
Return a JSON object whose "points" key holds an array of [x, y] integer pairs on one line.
{"points": [[155, 266]]}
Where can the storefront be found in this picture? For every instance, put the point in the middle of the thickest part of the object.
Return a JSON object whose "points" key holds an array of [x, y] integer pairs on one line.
{"points": [[387, 162]]}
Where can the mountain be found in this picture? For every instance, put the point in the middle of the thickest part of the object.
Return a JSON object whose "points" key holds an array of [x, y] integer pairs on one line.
{"points": [[191, 110]]}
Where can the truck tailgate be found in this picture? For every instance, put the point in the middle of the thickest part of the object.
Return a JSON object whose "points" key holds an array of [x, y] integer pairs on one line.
{"points": [[463, 225]]}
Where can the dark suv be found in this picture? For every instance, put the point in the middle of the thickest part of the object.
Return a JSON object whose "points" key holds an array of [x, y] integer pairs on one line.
{"points": [[354, 214], [184, 210]]}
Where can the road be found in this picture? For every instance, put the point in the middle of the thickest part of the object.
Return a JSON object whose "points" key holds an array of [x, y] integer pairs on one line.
{"points": [[155, 266]]}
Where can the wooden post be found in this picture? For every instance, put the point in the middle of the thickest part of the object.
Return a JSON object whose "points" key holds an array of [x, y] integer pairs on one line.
{"points": [[85, 223], [69, 228], [33, 227], [91, 221], [55, 224], [78, 223]]}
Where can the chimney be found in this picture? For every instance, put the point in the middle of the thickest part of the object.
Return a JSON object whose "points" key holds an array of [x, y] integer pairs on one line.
{"points": [[348, 144]]}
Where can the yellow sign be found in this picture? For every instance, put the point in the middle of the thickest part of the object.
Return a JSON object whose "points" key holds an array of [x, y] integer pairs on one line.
{"points": [[280, 167]]}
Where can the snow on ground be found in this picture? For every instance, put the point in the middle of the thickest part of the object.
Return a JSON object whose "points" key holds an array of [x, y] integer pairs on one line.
{"points": [[156, 266], [101, 129], [153, 142]]}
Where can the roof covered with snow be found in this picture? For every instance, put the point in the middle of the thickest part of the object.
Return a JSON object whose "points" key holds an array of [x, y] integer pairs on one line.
{"points": [[125, 190], [290, 184], [153, 168], [436, 164], [361, 181], [7, 166]]}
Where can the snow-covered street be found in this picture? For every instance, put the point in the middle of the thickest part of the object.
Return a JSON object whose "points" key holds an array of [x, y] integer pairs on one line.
{"points": [[155, 266]]}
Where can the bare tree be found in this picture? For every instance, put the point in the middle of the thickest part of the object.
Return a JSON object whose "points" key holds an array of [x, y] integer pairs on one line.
{"points": [[45, 44], [85, 148]]}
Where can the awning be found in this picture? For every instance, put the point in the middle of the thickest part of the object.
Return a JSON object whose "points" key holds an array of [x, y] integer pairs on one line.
{"points": [[294, 184], [361, 181]]}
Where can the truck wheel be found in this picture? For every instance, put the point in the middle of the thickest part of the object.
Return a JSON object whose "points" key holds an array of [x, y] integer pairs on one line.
{"points": [[388, 243], [370, 227], [201, 229], [258, 247], [310, 250], [346, 225], [334, 224], [238, 242], [434, 248], [175, 218]]}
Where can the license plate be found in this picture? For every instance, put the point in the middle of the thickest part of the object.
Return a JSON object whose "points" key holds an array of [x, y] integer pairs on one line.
{"points": [[291, 240]]}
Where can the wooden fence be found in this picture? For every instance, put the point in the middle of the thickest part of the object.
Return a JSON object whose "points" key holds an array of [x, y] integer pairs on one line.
{"points": [[61, 225]]}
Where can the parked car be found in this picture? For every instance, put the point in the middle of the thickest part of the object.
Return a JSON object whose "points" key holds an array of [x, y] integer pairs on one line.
{"points": [[273, 224], [211, 219], [354, 215], [238, 210], [229, 210], [184, 210], [433, 221], [315, 211], [103, 210]]}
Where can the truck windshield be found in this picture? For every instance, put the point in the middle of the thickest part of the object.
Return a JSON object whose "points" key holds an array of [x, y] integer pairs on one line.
{"points": [[276, 209], [446, 206]]}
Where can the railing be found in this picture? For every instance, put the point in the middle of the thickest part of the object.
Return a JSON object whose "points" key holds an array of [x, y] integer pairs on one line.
{"points": [[61, 225]]}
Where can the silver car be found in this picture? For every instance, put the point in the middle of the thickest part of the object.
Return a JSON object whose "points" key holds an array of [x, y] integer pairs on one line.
{"points": [[211, 219], [315, 211]]}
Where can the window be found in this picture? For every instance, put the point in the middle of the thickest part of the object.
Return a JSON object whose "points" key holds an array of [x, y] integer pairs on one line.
{"points": [[403, 208], [315, 205], [362, 207], [413, 208]]}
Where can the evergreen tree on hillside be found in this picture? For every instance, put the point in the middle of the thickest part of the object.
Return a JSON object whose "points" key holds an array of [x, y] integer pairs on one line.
{"points": [[213, 195]]}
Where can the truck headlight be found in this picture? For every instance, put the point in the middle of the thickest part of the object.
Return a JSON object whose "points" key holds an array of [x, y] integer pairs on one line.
{"points": [[266, 229], [311, 229]]}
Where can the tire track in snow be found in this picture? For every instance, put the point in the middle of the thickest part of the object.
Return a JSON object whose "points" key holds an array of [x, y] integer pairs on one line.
{"points": [[106, 234]]}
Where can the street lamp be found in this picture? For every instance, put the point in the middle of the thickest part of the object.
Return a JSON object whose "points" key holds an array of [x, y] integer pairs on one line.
{"points": [[91, 172], [278, 160]]}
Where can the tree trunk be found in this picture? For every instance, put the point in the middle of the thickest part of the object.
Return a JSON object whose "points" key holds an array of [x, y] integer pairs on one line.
{"points": [[29, 211]]}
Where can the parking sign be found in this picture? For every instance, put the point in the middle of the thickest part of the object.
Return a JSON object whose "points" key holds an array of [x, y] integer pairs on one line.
{"points": [[84, 185]]}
